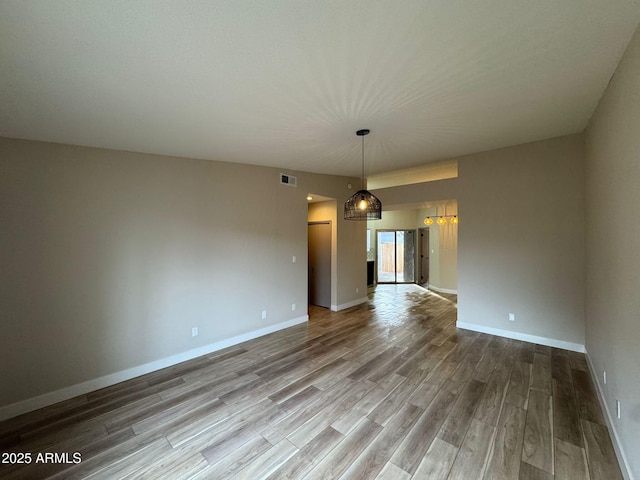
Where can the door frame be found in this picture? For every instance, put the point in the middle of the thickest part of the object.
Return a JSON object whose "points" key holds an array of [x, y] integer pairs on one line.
{"points": [[421, 231], [330, 223]]}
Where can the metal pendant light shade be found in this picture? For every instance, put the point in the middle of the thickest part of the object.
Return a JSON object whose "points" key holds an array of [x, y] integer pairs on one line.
{"points": [[363, 205]]}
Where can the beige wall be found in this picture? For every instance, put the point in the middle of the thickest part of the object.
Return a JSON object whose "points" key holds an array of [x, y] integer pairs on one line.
{"points": [[395, 219], [443, 239], [447, 280], [110, 258], [613, 249], [520, 238]]}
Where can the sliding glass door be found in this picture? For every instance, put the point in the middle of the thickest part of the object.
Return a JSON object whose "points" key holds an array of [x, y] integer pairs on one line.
{"points": [[396, 256]]}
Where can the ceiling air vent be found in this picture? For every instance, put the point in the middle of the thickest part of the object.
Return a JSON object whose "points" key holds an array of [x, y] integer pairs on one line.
{"points": [[288, 180]]}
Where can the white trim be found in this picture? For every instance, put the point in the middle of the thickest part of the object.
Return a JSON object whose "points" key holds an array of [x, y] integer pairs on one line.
{"points": [[617, 445], [66, 393], [353, 303], [442, 290], [525, 337]]}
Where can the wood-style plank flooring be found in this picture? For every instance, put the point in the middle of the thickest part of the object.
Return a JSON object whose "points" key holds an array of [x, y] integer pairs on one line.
{"points": [[387, 390]]}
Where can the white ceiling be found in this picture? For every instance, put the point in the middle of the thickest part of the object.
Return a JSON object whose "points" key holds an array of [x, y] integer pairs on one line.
{"points": [[287, 83]]}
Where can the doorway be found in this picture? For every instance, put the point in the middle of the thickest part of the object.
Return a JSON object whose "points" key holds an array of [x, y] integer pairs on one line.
{"points": [[424, 255], [396, 256], [320, 264]]}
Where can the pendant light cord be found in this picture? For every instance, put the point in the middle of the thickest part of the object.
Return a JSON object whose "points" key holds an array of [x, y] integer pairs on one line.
{"points": [[362, 176], [362, 205]]}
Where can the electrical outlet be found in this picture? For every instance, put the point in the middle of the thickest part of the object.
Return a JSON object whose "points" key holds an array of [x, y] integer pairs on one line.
{"points": [[512, 317], [194, 332], [357, 290], [618, 412], [293, 307], [264, 314], [604, 376], [294, 259]]}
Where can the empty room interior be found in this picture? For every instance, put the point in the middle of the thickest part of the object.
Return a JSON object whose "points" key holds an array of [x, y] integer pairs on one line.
{"points": [[276, 239]]}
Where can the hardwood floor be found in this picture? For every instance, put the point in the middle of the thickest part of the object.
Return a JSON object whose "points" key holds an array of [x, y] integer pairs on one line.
{"points": [[388, 390]]}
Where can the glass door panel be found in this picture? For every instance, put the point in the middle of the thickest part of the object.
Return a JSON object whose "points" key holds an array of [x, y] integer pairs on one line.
{"points": [[386, 257], [396, 256]]}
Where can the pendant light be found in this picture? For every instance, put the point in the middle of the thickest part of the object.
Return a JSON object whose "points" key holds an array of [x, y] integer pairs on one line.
{"points": [[363, 205], [442, 219]]}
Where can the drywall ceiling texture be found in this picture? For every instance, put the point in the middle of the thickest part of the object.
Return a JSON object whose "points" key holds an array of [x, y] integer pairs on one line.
{"points": [[520, 237], [287, 84], [110, 258], [613, 249]]}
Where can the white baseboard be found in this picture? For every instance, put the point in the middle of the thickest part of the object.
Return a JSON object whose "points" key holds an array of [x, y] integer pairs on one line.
{"points": [[525, 337], [66, 393], [442, 290], [337, 308], [625, 468]]}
